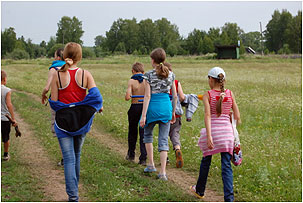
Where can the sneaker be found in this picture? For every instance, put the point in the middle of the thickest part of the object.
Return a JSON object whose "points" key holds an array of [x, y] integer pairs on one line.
{"points": [[6, 158], [150, 169], [179, 159], [197, 194], [129, 158], [162, 177], [142, 162], [60, 163]]}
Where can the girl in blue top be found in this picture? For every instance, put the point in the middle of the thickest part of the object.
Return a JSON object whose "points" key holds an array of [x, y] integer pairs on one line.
{"points": [[158, 109]]}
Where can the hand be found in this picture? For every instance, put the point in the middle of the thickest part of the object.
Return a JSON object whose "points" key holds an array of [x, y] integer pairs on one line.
{"points": [[44, 98], [173, 120], [14, 123], [142, 122], [101, 110], [210, 143]]}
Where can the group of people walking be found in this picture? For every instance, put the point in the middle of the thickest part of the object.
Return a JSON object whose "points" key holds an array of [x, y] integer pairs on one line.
{"points": [[155, 98]]}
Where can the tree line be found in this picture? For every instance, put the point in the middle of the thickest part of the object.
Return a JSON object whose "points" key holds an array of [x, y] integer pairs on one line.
{"points": [[283, 35]]}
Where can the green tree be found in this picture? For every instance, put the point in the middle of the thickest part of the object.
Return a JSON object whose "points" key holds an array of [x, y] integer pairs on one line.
{"points": [[114, 35], [208, 45], [20, 43], [172, 49], [43, 44], [252, 39], [18, 54], [50, 44], [214, 35], [168, 32], [233, 33], [29, 48], [51, 51], [276, 30], [88, 52], [194, 42], [224, 39], [8, 40], [294, 34], [69, 30], [149, 37]]}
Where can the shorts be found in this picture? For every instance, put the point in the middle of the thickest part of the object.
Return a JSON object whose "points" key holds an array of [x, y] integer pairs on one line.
{"points": [[5, 130]]}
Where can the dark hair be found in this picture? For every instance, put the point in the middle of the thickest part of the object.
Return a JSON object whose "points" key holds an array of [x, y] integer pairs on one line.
{"points": [[59, 52], [138, 67], [72, 53], [219, 102], [159, 55], [3, 75]]}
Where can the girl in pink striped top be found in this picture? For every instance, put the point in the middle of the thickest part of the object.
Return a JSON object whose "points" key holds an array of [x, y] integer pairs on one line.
{"points": [[218, 136]]}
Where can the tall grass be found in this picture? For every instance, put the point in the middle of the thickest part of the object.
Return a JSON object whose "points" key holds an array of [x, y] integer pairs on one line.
{"points": [[269, 95]]}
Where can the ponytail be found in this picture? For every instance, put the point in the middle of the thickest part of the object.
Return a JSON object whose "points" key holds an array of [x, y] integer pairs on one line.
{"points": [[222, 95], [162, 71], [68, 63]]}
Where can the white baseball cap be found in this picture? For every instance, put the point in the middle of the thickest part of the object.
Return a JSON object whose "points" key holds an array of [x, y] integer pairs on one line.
{"points": [[215, 71]]}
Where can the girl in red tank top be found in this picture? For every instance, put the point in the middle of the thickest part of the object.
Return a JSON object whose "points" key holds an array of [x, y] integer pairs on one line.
{"points": [[73, 92]]}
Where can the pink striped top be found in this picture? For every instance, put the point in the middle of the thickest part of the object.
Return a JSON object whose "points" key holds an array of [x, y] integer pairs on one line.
{"points": [[221, 128]]}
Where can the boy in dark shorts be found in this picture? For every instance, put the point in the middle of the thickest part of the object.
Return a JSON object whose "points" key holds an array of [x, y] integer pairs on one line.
{"points": [[135, 87], [6, 108]]}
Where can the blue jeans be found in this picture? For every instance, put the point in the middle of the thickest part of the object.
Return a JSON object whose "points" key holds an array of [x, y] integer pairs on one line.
{"points": [[162, 137], [227, 176], [71, 150]]}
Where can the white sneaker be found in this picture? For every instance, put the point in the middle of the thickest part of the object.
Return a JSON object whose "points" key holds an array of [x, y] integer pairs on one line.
{"points": [[6, 158]]}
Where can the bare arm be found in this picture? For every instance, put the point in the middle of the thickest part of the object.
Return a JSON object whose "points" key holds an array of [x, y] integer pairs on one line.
{"points": [[51, 73], [180, 92], [90, 80], [128, 91], [207, 120], [54, 88], [10, 107], [145, 103], [236, 109], [175, 97]]}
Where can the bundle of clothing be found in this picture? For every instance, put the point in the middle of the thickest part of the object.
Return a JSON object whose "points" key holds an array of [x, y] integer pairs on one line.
{"points": [[190, 103], [76, 118]]}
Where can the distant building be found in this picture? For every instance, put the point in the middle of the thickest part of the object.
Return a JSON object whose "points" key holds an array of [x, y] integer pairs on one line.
{"points": [[228, 52]]}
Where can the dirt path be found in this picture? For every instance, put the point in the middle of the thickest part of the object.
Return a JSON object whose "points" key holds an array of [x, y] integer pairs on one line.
{"points": [[36, 157], [178, 176]]}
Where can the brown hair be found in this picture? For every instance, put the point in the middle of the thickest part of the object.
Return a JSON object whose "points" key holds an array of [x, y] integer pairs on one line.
{"points": [[72, 53], [221, 80], [3, 75], [138, 67], [59, 52], [159, 55], [168, 65]]}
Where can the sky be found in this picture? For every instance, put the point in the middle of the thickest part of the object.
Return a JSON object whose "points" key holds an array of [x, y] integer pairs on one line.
{"points": [[38, 20]]}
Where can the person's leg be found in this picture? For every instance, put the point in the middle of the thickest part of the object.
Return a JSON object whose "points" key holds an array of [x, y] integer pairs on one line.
{"points": [[143, 153], [163, 144], [227, 177], [132, 133], [5, 131], [148, 140], [175, 138], [78, 143], [69, 157], [204, 169]]}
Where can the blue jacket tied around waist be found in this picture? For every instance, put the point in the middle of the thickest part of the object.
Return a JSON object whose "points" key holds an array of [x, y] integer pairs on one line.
{"points": [[159, 108], [76, 118]]}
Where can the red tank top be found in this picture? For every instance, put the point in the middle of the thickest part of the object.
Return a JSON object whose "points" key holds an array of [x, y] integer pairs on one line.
{"points": [[72, 92], [227, 102], [170, 93]]}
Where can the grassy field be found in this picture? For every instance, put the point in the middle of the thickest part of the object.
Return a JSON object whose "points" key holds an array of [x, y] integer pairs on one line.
{"points": [[269, 96]]}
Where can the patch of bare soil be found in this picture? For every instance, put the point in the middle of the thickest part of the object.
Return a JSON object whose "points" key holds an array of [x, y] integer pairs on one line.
{"points": [[35, 156], [177, 176]]}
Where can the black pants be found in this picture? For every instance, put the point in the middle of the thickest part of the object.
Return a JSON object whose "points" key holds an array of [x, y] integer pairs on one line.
{"points": [[134, 115], [5, 130]]}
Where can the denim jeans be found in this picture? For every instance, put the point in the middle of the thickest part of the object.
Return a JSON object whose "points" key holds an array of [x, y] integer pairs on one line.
{"points": [[227, 176], [134, 115], [71, 150], [162, 137]]}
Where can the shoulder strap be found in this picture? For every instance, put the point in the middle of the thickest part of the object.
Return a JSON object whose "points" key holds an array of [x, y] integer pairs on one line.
{"points": [[59, 79], [82, 77]]}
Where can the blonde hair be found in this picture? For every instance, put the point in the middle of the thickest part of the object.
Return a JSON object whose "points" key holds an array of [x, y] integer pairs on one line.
{"points": [[221, 80], [138, 67], [3, 75], [72, 53], [159, 55]]}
